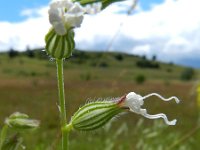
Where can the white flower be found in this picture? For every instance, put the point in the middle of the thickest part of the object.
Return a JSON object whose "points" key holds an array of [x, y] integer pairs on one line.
{"points": [[134, 102], [65, 14]]}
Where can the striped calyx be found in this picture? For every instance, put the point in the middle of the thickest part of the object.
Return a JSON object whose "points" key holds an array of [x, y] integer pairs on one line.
{"points": [[59, 46], [94, 115]]}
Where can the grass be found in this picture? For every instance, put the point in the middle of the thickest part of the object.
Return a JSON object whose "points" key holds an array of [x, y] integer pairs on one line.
{"points": [[29, 86]]}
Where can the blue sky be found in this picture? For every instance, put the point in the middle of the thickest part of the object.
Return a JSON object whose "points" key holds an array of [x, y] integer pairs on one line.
{"points": [[146, 4], [10, 11], [169, 29]]}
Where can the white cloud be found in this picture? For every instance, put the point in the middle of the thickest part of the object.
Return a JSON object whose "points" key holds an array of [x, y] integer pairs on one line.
{"points": [[26, 33], [143, 49], [170, 30], [34, 12]]}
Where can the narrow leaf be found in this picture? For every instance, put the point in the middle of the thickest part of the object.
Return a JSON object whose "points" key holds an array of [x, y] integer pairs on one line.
{"points": [[105, 3]]}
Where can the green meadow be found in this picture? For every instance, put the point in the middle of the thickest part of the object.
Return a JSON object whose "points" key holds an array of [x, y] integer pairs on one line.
{"points": [[28, 84]]}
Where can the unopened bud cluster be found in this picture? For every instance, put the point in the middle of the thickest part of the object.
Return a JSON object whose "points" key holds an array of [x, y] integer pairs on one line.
{"points": [[21, 121]]}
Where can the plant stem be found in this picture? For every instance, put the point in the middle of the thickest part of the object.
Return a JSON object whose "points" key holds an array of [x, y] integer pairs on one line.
{"points": [[3, 135], [185, 137], [62, 110]]}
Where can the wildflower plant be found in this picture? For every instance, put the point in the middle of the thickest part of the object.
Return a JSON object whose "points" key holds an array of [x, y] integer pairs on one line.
{"points": [[65, 16]]}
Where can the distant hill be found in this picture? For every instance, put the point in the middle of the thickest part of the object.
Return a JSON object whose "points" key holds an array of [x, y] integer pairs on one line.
{"points": [[112, 61]]}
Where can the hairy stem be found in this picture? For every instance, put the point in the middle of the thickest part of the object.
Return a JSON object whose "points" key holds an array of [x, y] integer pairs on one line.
{"points": [[62, 110]]}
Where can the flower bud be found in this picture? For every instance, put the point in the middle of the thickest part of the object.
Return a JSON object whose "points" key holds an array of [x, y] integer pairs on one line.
{"points": [[59, 46], [21, 121], [94, 115]]}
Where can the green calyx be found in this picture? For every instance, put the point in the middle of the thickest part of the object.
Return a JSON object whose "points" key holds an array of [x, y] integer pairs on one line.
{"points": [[20, 121], [94, 115], [59, 46]]}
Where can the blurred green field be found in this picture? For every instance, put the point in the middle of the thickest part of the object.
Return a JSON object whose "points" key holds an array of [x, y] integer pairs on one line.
{"points": [[29, 85]]}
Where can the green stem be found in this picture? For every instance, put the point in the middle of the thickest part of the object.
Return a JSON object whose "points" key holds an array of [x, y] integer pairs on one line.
{"points": [[65, 135], [185, 137], [3, 135]]}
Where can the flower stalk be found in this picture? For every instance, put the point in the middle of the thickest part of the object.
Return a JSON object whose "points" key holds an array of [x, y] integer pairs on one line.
{"points": [[62, 109]]}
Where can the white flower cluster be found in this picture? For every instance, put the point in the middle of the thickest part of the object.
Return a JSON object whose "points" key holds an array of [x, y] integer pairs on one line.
{"points": [[134, 102], [65, 14]]}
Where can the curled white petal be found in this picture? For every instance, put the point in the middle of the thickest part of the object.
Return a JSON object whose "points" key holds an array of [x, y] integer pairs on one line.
{"points": [[74, 17], [156, 116], [59, 28], [65, 14], [164, 99], [74, 21], [93, 8], [134, 102], [76, 9]]}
